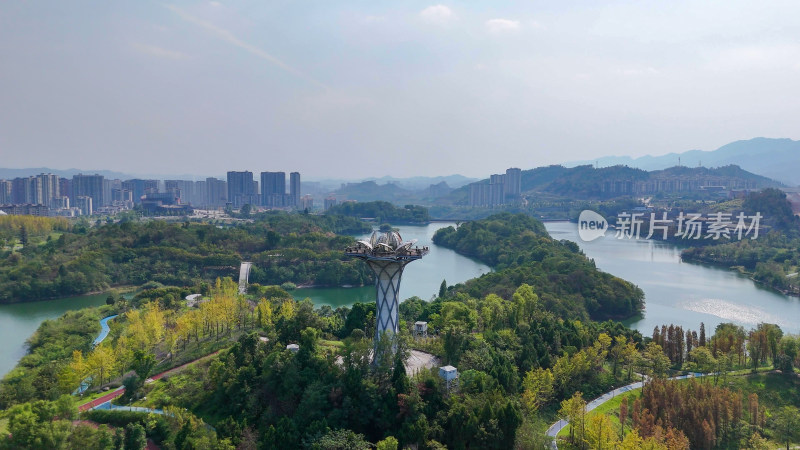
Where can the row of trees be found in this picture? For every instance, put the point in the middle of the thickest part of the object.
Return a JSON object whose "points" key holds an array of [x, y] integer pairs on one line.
{"points": [[729, 346]]}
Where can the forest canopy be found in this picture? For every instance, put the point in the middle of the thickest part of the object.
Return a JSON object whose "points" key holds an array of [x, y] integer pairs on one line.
{"points": [[521, 251]]}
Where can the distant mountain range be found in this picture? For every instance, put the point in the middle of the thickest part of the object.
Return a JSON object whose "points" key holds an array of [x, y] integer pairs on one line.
{"points": [[778, 159], [410, 183]]}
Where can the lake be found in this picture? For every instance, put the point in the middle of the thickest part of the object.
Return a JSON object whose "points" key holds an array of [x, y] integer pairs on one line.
{"points": [[420, 278], [684, 293], [20, 320]]}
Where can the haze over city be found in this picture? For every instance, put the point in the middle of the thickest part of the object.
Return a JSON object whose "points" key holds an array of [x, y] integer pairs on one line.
{"points": [[370, 89]]}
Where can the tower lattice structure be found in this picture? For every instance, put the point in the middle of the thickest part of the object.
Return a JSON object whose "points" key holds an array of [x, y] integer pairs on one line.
{"points": [[386, 255]]}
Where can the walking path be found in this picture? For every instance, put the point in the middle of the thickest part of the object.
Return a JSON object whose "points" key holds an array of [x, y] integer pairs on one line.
{"points": [[104, 330], [558, 426], [98, 403]]}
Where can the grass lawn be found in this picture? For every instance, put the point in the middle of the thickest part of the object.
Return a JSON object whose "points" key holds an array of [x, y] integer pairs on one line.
{"points": [[774, 390], [89, 397], [609, 408]]}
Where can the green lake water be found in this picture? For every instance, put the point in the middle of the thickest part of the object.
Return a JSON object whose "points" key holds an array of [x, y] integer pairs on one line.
{"points": [[420, 278], [684, 293], [20, 320]]}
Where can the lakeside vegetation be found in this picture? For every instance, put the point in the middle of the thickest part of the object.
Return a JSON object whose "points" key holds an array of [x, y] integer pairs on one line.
{"points": [[521, 251], [296, 248], [774, 258], [382, 212], [36, 374]]}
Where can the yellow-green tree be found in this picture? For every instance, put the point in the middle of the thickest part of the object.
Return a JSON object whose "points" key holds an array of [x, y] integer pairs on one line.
{"points": [[526, 303], [123, 351], [538, 388], [183, 328], [73, 373], [493, 312], [136, 331], [101, 363], [574, 411], [600, 432], [264, 313], [288, 309], [154, 322]]}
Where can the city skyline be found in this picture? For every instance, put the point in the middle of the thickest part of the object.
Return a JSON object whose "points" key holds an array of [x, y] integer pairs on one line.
{"points": [[445, 83]]}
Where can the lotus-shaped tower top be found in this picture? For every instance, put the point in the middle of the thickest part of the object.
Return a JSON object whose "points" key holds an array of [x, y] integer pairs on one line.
{"points": [[388, 245]]}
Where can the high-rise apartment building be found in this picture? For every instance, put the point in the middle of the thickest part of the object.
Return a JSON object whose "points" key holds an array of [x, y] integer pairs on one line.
{"points": [[242, 189], [199, 197], [216, 192], [273, 189], [513, 185], [497, 190], [502, 189], [49, 189], [294, 188], [89, 186], [65, 187], [5, 192], [26, 191]]}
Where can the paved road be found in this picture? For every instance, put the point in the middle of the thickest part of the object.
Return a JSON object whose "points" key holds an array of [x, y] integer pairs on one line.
{"points": [[558, 426]]}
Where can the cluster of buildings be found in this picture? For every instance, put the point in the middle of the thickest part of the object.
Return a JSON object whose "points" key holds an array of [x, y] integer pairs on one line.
{"points": [[51, 195], [47, 194], [672, 183], [502, 189], [243, 189]]}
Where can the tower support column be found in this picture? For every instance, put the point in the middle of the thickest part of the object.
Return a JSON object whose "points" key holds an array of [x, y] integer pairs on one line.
{"points": [[387, 297]]}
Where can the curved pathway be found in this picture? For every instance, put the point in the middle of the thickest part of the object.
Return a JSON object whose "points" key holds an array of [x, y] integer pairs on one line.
{"points": [[104, 330], [100, 401], [558, 426]]}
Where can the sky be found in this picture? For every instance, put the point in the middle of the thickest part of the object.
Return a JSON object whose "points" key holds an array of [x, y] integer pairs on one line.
{"points": [[352, 89]]}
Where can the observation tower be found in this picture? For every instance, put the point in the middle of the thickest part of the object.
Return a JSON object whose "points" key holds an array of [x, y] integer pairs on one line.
{"points": [[387, 255]]}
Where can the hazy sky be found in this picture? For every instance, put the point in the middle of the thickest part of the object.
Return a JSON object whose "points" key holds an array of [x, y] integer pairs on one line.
{"points": [[355, 89]]}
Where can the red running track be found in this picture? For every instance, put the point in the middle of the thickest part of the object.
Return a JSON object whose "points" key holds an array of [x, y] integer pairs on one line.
{"points": [[114, 394]]}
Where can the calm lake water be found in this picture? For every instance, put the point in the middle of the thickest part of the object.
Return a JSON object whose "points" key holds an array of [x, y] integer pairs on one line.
{"points": [[19, 321], [421, 278], [684, 293]]}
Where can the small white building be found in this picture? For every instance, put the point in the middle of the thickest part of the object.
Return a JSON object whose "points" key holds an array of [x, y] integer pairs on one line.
{"points": [[294, 348], [421, 329], [450, 376], [448, 373]]}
